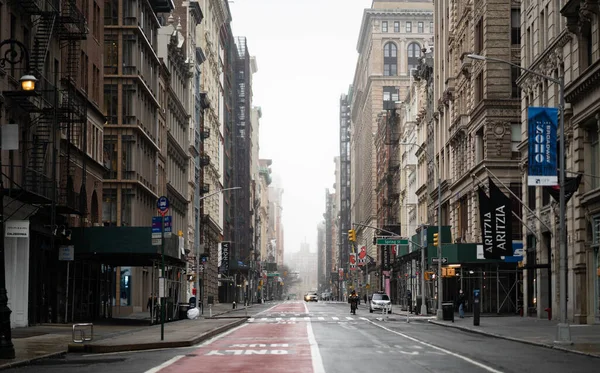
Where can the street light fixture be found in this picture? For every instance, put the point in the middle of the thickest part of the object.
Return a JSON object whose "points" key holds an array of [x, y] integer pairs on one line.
{"points": [[197, 282], [563, 332], [436, 168], [18, 53]]}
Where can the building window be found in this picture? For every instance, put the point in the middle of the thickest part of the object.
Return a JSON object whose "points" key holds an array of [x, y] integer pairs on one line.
{"points": [[396, 26], [126, 207], [384, 27], [111, 103], [390, 96], [420, 27], [128, 157], [479, 87], [414, 54], [515, 73], [390, 60], [515, 26], [111, 12], [109, 207], [431, 27], [531, 197], [515, 140], [111, 54], [408, 27], [479, 36], [594, 157]]}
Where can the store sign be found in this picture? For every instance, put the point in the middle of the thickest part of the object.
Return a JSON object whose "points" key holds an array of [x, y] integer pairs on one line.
{"points": [[16, 229]]}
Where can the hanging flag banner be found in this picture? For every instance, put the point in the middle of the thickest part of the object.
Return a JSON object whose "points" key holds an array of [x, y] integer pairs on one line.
{"points": [[352, 261], [502, 224], [542, 125], [224, 262], [486, 218], [362, 256], [571, 186]]}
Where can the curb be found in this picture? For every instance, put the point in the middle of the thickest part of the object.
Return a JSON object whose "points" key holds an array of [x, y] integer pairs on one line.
{"points": [[98, 349], [21, 363], [513, 339]]}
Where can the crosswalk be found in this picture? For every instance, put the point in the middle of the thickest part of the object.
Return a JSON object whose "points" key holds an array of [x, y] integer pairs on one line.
{"points": [[288, 318]]}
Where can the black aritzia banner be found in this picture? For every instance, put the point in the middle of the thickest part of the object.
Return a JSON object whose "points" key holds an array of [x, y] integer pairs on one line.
{"points": [[495, 215], [571, 186], [502, 206], [486, 217]]}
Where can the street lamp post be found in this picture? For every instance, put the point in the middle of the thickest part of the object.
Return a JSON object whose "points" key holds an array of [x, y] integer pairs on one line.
{"points": [[18, 53], [436, 170], [197, 280], [563, 335]]}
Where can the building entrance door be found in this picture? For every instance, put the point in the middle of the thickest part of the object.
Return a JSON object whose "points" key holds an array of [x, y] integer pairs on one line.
{"points": [[597, 284]]}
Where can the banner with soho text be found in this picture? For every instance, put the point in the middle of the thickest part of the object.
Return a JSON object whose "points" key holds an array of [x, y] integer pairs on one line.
{"points": [[542, 125]]}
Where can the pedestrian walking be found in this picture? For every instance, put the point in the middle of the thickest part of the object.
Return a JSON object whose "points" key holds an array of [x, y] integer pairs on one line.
{"points": [[461, 304]]}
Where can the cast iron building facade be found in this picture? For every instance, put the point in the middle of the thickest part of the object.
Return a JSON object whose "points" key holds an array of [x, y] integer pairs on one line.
{"points": [[52, 181], [345, 222]]}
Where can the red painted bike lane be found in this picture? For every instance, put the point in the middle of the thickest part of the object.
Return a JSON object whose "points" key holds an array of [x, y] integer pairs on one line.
{"points": [[261, 347]]}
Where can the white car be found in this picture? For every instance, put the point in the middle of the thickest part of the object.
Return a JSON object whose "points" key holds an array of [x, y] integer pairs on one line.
{"points": [[380, 302], [311, 297]]}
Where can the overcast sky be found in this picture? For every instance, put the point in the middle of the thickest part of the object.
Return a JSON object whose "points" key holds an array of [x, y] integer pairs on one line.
{"points": [[306, 55]]}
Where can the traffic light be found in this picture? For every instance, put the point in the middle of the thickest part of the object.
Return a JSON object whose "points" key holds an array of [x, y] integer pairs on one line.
{"points": [[428, 275], [435, 239], [352, 235], [374, 239]]}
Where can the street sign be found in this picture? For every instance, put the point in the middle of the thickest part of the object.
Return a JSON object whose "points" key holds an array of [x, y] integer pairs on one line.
{"points": [[436, 260], [163, 205], [156, 224], [156, 241], [168, 226], [387, 241]]}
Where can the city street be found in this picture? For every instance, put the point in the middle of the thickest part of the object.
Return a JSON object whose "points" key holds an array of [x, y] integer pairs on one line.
{"points": [[295, 336]]}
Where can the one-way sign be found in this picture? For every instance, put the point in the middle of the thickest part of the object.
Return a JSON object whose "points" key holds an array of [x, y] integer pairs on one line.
{"points": [[436, 260]]}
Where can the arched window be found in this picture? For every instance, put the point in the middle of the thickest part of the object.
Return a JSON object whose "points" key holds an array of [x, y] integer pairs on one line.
{"points": [[414, 53], [390, 60]]}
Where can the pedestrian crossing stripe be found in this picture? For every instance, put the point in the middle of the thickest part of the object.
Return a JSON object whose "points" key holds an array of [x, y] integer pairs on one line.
{"points": [[307, 318]]}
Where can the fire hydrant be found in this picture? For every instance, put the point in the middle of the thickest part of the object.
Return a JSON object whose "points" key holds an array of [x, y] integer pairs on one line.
{"points": [[549, 310]]}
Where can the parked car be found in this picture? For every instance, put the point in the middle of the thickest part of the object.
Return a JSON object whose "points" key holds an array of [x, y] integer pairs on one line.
{"points": [[380, 301], [311, 297]]}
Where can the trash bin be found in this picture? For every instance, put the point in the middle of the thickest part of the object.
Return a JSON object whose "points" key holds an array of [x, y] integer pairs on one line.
{"points": [[183, 308], [448, 311]]}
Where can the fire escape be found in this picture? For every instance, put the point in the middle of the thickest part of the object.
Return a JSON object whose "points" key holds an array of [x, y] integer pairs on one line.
{"points": [[57, 104], [242, 139], [72, 29]]}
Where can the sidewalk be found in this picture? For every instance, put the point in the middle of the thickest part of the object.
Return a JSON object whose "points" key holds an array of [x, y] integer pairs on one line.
{"points": [[539, 332], [52, 340]]}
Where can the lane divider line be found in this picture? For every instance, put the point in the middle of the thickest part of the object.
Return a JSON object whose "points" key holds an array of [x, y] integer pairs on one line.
{"points": [[464, 358], [317, 361], [165, 364]]}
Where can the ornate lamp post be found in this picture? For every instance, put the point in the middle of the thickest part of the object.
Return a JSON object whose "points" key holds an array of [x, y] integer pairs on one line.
{"points": [[16, 54]]}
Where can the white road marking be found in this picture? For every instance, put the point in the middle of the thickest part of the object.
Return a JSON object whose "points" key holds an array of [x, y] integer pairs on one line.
{"points": [[251, 319], [165, 364], [364, 318], [317, 362], [292, 319], [307, 318], [321, 318], [335, 318], [278, 319], [349, 318], [464, 358]]}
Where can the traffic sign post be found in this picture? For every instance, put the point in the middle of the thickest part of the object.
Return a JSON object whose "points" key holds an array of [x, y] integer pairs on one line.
{"points": [[163, 208], [436, 260]]}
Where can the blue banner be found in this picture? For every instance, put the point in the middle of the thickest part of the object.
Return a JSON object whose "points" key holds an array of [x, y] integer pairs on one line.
{"points": [[542, 125]]}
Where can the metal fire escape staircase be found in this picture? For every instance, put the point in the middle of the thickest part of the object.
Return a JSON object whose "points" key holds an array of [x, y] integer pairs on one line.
{"points": [[37, 143], [72, 29]]}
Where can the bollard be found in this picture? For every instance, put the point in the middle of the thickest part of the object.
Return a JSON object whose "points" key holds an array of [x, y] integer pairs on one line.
{"points": [[246, 311], [210, 310], [233, 304]]}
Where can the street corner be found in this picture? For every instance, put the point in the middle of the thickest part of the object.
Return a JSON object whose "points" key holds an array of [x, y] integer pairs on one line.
{"points": [[252, 348]]}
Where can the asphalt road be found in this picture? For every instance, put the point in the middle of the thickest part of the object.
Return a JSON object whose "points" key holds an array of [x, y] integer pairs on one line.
{"points": [[326, 338]]}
